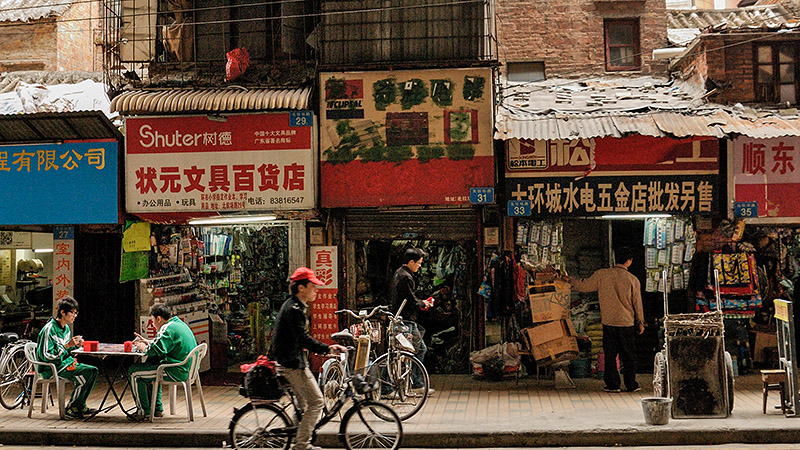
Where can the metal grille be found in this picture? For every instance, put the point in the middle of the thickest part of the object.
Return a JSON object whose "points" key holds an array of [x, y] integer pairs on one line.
{"points": [[406, 31], [182, 42], [440, 224]]}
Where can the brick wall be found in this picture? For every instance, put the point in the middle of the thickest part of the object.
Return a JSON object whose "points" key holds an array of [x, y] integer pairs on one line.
{"points": [[568, 34], [728, 62], [30, 46], [76, 38]]}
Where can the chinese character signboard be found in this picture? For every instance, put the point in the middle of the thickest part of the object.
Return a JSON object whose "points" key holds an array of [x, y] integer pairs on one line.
{"points": [[324, 263], [767, 171], [71, 182], [405, 137], [63, 262], [231, 163], [607, 176]]}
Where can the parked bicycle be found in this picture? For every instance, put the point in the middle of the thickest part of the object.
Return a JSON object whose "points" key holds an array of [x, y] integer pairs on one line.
{"points": [[404, 381], [268, 423], [362, 335], [13, 370]]}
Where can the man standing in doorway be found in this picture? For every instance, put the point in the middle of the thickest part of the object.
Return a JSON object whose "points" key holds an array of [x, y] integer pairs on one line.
{"points": [[402, 288], [621, 313]]}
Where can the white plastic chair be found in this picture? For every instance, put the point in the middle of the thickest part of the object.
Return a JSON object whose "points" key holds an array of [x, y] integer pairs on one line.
{"points": [[60, 382], [193, 358]]}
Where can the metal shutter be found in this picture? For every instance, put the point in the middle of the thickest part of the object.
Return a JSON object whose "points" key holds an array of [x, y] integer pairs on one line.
{"points": [[445, 224]]}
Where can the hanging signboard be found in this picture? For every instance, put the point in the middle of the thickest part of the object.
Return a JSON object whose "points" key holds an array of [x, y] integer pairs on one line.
{"points": [[405, 137], [248, 162], [767, 172], [58, 183], [607, 176], [324, 263], [63, 262]]}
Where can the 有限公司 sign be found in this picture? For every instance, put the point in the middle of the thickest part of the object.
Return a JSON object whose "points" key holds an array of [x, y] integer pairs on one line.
{"points": [[226, 163], [606, 176], [60, 183]]}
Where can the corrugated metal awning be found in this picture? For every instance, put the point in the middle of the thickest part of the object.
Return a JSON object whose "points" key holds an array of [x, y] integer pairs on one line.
{"points": [[217, 100], [715, 123], [52, 127]]}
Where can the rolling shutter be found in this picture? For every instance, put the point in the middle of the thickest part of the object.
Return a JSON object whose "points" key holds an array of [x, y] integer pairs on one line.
{"points": [[445, 224]]}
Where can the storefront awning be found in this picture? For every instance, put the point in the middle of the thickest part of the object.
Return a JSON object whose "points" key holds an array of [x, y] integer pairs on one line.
{"points": [[217, 100], [56, 127]]}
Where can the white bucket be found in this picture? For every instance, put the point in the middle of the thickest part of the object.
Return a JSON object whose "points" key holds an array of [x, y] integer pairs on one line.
{"points": [[657, 410]]}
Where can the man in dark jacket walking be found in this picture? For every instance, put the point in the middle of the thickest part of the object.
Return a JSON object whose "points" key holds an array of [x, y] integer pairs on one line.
{"points": [[402, 288], [288, 342]]}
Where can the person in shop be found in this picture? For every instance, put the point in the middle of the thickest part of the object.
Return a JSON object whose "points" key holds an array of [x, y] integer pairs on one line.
{"points": [[172, 344], [54, 343], [622, 316], [403, 287], [289, 341]]}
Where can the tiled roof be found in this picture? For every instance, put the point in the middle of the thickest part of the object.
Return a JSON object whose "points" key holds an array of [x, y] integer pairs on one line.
{"points": [[772, 16], [25, 10]]}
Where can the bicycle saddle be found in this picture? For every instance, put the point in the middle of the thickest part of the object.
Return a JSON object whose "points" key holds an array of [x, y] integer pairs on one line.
{"points": [[344, 334], [7, 338]]}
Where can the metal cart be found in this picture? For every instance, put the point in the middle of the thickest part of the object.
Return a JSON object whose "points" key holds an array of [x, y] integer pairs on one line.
{"points": [[693, 368]]}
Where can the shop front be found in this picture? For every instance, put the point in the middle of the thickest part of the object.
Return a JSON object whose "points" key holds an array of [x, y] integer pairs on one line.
{"points": [[570, 204], [407, 160], [223, 203], [763, 186], [60, 175]]}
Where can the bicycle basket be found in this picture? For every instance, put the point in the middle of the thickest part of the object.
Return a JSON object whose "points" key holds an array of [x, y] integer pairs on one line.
{"points": [[261, 382], [405, 334]]}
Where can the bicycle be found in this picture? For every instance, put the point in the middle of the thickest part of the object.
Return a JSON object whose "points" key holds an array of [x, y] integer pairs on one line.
{"points": [[265, 423], [395, 370], [334, 368], [14, 368]]}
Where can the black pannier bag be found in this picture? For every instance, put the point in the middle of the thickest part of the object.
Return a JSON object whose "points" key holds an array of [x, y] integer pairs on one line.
{"points": [[261, 383]]}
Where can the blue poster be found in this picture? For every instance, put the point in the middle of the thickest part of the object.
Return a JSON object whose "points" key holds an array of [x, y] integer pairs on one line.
{"points": [[66, 183]]}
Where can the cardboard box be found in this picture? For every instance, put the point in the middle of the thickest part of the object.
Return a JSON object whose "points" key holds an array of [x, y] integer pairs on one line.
{"points": [[219, 329], [550, 306], [549, 331], [562, 349], [762, 340]]}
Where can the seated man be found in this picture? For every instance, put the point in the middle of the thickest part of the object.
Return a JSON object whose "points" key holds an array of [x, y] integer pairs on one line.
{"points": [[173, 342], [53, 346]]}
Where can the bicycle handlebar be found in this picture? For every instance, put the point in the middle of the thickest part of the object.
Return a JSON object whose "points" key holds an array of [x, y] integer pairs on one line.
{"points": [[374, 311]]}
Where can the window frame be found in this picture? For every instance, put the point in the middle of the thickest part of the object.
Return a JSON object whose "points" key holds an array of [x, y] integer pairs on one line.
{"points": [[636, 44], [775, 64]]}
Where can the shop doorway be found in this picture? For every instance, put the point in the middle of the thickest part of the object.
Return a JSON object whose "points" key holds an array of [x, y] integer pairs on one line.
{"points": [[448, 273]]}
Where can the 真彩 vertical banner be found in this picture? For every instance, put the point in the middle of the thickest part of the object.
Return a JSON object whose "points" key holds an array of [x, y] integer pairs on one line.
{"points": [[324, 263]]}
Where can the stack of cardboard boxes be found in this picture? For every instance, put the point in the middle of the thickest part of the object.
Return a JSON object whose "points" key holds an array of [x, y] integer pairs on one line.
{"points": [[552, 337]]}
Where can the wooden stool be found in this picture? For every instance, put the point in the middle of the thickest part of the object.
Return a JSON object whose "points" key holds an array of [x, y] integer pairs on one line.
{"points": [[774, 380]]}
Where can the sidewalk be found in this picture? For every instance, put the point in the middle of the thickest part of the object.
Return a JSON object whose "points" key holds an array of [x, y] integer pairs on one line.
{"points": [[462, 413]]}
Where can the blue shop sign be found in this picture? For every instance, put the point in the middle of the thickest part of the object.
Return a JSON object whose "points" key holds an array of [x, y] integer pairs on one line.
{"points": [[519, 208], [66, 183]]}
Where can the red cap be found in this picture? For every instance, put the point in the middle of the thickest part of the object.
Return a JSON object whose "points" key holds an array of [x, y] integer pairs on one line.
{"points": [[304, 273]]}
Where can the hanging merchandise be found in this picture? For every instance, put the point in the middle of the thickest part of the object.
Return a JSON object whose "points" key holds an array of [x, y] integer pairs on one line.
{"points": [[669, 246], [544, 248]]}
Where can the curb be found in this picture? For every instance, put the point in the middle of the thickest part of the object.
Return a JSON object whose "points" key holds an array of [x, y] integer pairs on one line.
{"points": [[329, 439]]}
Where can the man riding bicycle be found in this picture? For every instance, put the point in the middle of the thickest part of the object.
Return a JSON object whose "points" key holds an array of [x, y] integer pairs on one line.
{"points": [[288, 342]]}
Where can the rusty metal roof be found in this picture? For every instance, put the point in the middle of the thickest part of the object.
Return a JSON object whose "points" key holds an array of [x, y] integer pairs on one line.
{"points": [[56, 127], [217, 100], [25, 10]]}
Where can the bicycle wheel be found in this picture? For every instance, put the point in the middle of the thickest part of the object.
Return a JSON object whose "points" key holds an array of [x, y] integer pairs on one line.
{"points": [[365, 426], [396, 383], [12, 378], [331, 382], [261, 426]]}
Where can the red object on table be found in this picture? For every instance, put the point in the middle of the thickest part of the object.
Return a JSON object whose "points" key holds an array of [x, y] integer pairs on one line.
{"points": [[90, 346], [128, 346]]}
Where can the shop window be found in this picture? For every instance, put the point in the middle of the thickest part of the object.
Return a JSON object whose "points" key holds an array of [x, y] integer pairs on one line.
{"points": [[622, 44], [776, 73], [525, 71]]}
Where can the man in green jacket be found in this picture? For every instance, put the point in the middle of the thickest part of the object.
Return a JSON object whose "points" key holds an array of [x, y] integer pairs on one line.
{"points": [[173, 342], [53, 346]]}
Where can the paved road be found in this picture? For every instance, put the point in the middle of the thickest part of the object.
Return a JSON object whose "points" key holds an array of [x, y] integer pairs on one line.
{"points": [[682, 447]]}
